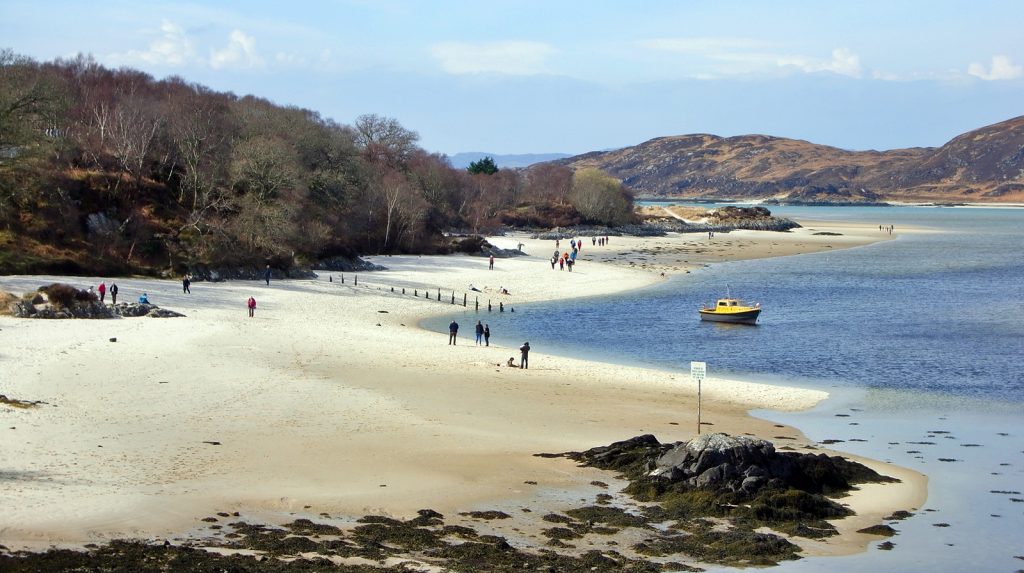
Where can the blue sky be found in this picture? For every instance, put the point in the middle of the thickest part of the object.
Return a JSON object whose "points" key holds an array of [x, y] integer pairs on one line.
{"points": [[574, 76]]}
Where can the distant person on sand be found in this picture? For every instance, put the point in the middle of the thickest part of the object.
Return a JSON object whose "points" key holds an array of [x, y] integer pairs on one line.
{"points": [[453, 332], [491, 263], [266, 275], [479, 333], [144, 299], [251, 303], [185, 282], [113, 293], [102, 290], [487, 335], [524, 352]]}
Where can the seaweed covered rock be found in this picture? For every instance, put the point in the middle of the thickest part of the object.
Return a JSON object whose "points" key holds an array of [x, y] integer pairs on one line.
{"points": [[743, 464], [744, 480]]}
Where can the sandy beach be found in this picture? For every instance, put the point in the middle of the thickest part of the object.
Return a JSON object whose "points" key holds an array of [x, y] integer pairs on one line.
{"points": [[332, 400]]}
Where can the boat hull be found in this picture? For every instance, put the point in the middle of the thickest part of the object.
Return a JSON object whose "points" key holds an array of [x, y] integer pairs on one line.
{"points": [[745, 317]]}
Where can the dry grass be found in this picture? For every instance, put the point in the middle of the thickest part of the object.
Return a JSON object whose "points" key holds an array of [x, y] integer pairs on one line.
{"points": [[6, 300]]}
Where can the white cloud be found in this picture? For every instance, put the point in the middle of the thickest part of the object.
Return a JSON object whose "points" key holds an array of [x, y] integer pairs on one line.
{"points": [[240, 52], [843, 62], [173, 48], [511, 57], [1002, 69], [743, 56]]}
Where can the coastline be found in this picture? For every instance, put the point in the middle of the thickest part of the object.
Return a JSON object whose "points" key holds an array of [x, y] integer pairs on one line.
{"points": [[332, 400]]}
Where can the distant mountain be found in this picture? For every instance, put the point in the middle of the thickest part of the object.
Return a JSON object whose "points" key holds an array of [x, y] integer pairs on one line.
{"points": [[984, 165], [462, 160]]}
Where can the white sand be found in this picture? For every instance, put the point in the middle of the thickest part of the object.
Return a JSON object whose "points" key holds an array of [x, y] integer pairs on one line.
{"points": [[324, 403]]}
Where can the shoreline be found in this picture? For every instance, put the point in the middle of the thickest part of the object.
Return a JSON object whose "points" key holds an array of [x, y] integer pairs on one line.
{"points": [[445, 426]]}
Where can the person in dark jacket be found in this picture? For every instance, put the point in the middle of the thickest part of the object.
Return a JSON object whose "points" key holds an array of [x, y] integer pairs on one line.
{"points": [[479, 333], [487, 335], [524, 351], [453, 332], [113, 293]]}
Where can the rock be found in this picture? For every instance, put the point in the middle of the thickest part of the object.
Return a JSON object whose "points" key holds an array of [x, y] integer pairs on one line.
{"points": [[132, 309], [743, 464]]}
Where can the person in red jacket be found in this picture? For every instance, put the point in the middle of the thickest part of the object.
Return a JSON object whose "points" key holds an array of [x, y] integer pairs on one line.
{"points": [[252, 306]]}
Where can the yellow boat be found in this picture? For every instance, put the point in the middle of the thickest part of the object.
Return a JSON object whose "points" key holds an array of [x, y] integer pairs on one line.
{"points": [[731, 310]]}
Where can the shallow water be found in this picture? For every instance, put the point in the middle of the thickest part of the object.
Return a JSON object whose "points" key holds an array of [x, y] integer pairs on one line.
{"points": [[921, 334]]}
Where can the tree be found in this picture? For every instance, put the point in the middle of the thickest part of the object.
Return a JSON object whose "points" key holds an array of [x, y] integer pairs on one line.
{"points": [[600, 198], [384, 140], [485, 166], [549, 182]]}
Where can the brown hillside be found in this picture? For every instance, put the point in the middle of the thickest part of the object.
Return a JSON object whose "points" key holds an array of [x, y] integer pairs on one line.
{"points": [[983, 165]]}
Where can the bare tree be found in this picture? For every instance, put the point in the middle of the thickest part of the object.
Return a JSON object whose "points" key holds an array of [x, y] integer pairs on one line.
{"points": [[133, 130], [384, 140]]}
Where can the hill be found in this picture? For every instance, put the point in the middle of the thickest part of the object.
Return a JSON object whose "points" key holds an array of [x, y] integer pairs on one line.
{"points": [[984, 165]]}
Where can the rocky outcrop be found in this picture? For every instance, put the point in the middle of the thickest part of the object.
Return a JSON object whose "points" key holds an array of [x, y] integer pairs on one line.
{"points": [[217, 274], [64, 301], [348, 265], [724, 463], [132, 309], [80, 309]]}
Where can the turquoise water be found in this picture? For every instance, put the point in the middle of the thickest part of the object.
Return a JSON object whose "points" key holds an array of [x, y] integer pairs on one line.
{"points": [[919, 339]]}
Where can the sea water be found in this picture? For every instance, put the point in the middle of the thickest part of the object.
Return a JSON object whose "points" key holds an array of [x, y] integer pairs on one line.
{"points": [[919, 340]]}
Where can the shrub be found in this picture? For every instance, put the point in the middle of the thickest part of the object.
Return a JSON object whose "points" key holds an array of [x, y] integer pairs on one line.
{"points": [[64, 295]]}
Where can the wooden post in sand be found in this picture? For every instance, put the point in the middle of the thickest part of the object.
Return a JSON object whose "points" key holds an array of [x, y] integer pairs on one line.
{"points": [[463, 299], [357, 280], [698, 370], [438, 295], [453, 297], [477, 304]]}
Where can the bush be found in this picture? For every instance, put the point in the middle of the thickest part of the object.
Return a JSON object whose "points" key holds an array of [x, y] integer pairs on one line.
{"points": [[64, 295]]}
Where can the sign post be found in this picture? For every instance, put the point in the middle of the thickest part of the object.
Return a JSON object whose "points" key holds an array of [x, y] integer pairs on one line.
{"points": [[698, 370]]}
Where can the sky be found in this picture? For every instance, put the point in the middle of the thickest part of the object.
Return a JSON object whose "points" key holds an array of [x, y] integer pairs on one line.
{"points": [[574, 76]]}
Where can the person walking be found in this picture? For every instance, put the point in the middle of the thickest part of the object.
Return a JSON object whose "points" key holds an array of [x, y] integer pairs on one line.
{"points": [[524, 356], [113, 293], [185, 283], [453, 332], [490, 265], [252, 306], [266, 275], [102, 290], [487, 335], [479, 333]]}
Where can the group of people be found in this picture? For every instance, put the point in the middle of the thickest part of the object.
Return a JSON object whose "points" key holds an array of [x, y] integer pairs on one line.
{"points": [[483, 333], [887, 228], [483, 337], [186, 283], [102, 290], [564, 260], [567, 260]]}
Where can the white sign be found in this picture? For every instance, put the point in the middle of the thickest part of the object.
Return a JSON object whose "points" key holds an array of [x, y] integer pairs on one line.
{"points": [[698, 370]]}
